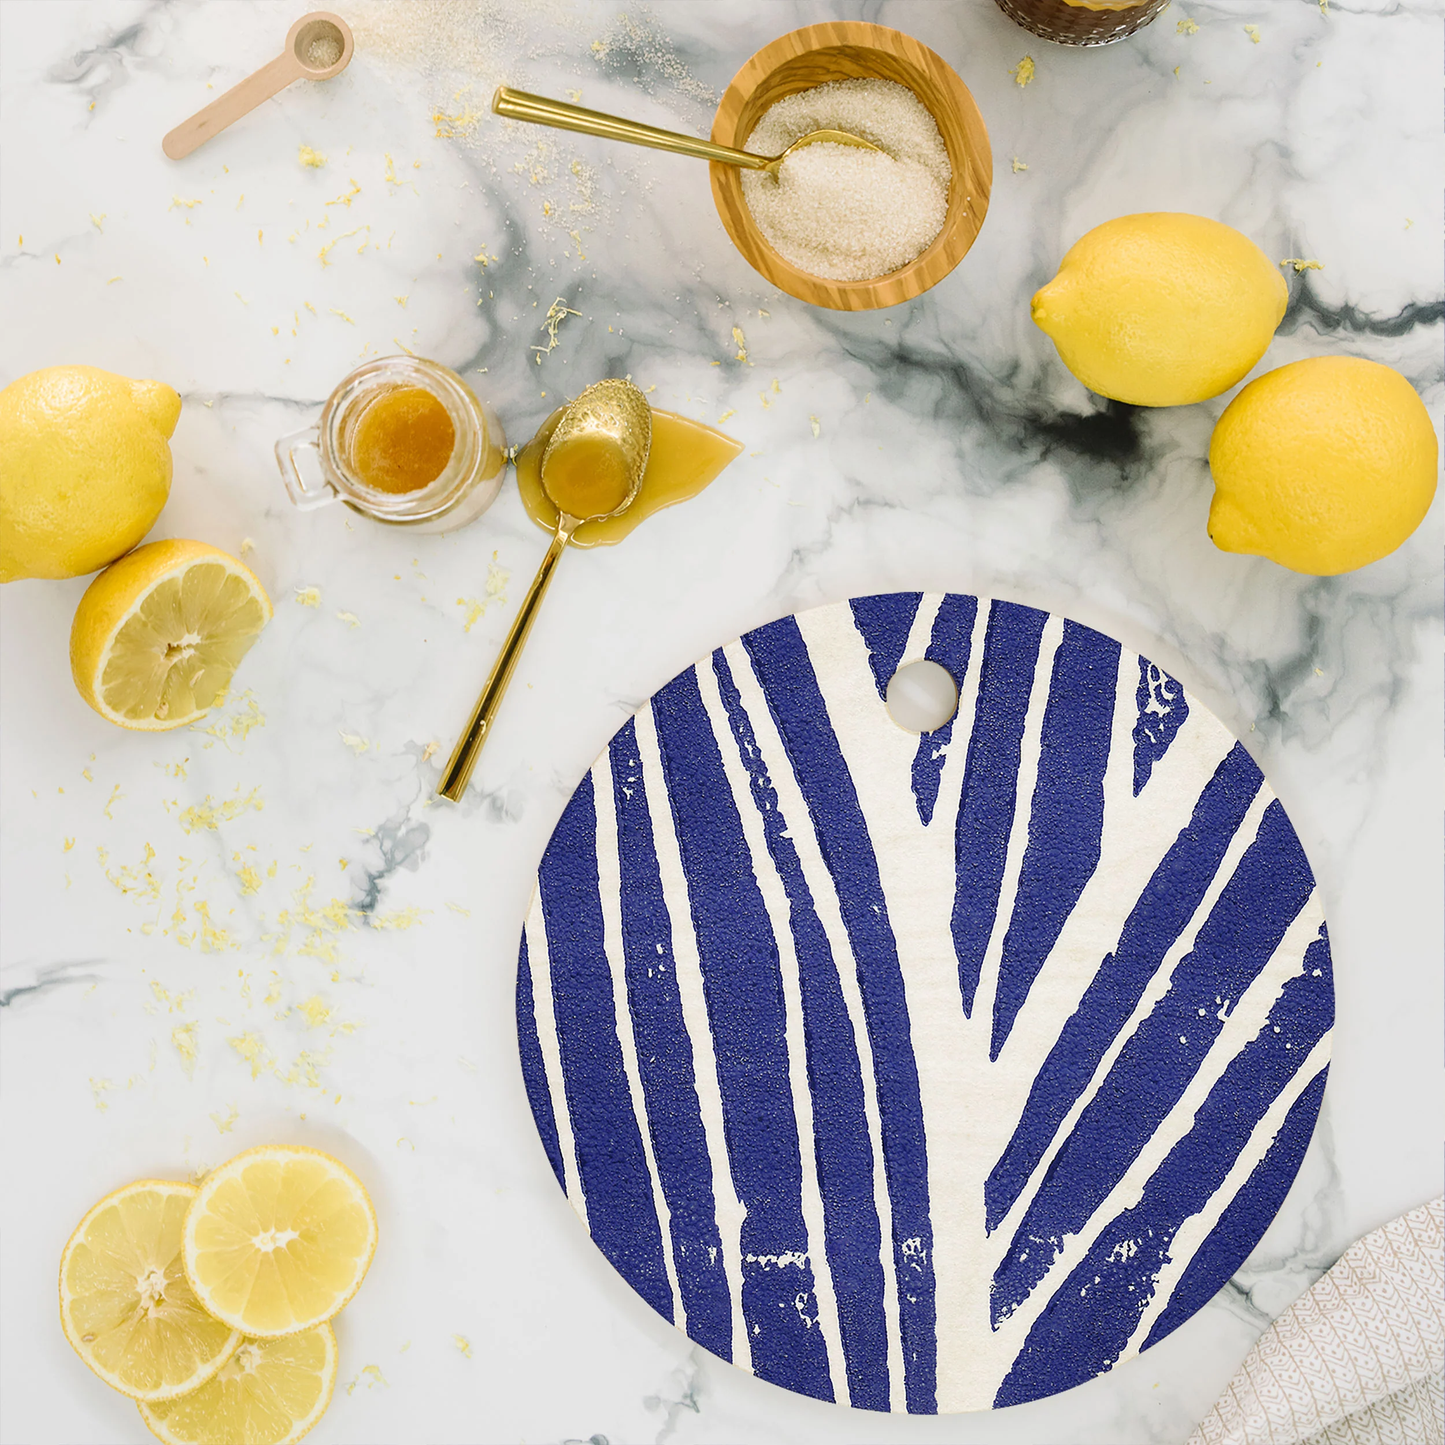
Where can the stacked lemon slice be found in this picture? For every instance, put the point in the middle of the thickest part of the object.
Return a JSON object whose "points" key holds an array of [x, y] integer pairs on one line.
{"points": [[210, 1306]]}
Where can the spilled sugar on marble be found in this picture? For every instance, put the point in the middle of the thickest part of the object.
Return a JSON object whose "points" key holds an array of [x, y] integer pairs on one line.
{"points": [[841, 212]]}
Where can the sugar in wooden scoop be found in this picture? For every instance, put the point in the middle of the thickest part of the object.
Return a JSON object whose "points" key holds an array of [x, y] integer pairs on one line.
{"points": [[841, 212]]}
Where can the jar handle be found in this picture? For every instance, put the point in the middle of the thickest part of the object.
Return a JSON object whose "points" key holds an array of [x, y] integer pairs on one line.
{"points": [[306, 498]]}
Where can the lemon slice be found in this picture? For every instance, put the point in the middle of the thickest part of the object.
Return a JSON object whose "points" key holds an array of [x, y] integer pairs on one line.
{"points": [[159, 633], [278, 1240], [125, 1303], [270, 1392]]}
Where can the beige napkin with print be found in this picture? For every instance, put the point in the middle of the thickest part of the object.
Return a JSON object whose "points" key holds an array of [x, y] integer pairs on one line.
{"points": [[1359, 1359]]}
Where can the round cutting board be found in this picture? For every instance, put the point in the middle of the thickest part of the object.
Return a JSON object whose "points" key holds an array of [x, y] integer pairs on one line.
{"points": [[925, 1073]]}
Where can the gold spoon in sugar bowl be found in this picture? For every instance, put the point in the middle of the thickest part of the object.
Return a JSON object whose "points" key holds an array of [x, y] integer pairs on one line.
{"points": [[518, 105], [592, 468]]}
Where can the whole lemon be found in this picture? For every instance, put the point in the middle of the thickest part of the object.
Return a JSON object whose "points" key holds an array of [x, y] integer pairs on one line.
{"points": [[1322, 465], [1162, 309], [85, 468]]}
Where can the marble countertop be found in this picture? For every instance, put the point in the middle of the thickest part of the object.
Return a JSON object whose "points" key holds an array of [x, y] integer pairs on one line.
{"points": [[265, 927]]}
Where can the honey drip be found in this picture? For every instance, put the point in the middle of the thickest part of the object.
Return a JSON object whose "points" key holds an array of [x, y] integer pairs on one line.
{"points": [[686, 455], [402, 441]]}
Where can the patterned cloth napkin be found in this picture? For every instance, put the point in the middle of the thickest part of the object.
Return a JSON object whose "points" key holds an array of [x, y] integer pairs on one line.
{"points": [[1356, 1361]]}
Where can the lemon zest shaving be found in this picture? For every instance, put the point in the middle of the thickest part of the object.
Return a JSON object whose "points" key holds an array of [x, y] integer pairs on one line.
{"points": [[324, 254], [212, 939], [252, 1050], [183, 1036], [239, 724], [407, 917], [457, 126], [315, 1011], [174, 1002], [373, 1377], [557, 313], [134, 879], [347, 199], [211, 815]]}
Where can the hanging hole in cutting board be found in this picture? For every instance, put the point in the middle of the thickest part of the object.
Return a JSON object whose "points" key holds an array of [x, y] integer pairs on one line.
{"points": [[922, 697]]}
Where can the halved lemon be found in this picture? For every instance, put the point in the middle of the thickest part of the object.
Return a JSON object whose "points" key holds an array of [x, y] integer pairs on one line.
{"points": [[159, 633], [278, 1240], [270, 1392], [125, 1303]]}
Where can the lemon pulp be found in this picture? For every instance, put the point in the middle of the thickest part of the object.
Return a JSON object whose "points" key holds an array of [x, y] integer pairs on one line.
{"points": [[270, 1392], [158, 635], [125, 1303], [279, 1240], [176, 654]]}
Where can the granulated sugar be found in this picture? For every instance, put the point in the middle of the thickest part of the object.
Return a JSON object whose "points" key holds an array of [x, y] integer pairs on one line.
{"points": [[323, 52], [841, 212]]}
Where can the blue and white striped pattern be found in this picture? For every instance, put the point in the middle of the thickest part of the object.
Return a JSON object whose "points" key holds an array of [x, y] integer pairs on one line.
{"points": [[925, 1074]]}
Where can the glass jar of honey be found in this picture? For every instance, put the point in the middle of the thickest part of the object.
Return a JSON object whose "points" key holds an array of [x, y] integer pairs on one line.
{"points": [[402, 440]]}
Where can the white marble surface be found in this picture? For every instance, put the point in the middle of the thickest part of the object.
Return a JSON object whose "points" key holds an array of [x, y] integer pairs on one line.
{"points": [[951, 450]]}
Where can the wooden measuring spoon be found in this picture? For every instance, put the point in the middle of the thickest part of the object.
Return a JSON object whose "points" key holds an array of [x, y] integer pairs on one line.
{"points": [[309, 39]]}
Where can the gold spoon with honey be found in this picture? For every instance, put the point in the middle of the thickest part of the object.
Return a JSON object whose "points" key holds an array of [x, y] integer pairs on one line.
{"points": [[518, 105], [592, 468]]}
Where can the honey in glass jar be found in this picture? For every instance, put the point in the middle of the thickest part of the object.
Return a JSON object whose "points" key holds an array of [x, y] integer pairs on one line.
{"points": [[402, 440]]}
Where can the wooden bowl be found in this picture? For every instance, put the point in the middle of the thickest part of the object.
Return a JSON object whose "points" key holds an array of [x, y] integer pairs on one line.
{"points": [[841, 50]]}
